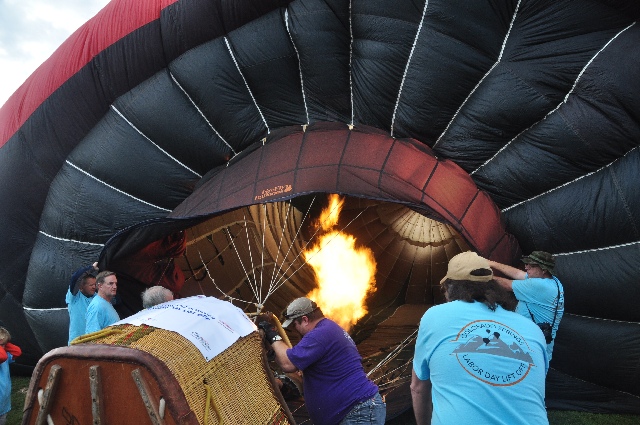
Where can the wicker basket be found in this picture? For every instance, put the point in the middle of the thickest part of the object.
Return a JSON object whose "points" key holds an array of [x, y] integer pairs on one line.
{"points": [[242, 386]]}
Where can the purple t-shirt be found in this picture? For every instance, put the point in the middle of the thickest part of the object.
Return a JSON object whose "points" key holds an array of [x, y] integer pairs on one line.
{"points": [[334, 379]]}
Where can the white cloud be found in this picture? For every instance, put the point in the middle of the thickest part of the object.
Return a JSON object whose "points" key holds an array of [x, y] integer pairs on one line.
{"points": [[31, 30]]}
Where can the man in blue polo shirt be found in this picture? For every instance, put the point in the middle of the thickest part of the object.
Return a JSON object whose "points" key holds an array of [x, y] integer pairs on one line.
{"points": [[336, 388]]}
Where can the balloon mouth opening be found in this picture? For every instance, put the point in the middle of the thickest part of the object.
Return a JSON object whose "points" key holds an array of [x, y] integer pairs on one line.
{"points": [[271, 250], [241, 234]]}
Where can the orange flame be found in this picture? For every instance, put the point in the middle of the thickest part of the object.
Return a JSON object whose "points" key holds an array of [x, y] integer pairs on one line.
{"points": [[345, 273], [330, 215]]}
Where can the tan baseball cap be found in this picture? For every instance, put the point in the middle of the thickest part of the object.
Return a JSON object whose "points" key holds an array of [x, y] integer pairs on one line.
{"points": [[462, 265], [298, 308]]}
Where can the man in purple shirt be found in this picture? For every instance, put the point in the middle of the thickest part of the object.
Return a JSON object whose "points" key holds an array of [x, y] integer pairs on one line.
{"points": [[336, 388]]}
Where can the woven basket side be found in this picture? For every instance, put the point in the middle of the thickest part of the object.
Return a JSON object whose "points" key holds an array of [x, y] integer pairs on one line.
{"points": [[241, 389]]}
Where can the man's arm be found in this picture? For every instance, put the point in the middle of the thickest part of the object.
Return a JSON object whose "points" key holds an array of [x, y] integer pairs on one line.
{"points": [[505, 283], [508, 271], [421, 396], [280, 348]]}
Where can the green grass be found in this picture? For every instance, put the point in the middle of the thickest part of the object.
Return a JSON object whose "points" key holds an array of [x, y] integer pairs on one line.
{"points": [[20, 385]]}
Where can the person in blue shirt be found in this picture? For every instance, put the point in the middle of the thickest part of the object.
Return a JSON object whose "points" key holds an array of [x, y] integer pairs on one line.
{"points": [[82, 289], [476, 361], [539, 292], [7, 353], [100, 312]]}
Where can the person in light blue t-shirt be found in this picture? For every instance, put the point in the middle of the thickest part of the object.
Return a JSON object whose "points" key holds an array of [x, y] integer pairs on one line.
{"points": [[477, 361], [82, 289], [100, 312], [539, 292]]}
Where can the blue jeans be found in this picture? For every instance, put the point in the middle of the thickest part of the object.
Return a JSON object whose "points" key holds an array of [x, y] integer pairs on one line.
{"points": [[372, 411]]}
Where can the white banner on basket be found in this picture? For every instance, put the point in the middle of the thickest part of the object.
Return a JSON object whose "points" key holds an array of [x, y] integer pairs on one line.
{"points": [[210, 324]]}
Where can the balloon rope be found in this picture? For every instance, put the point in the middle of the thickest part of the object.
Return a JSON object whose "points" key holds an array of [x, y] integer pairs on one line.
{"points": [[396, 381], [286, 222], [254, 283], [282, 281], [216, 285], [274, 286], [264, 231], [395, 352], [402, 366], [165, 270], [242, 264], [193, 272]]}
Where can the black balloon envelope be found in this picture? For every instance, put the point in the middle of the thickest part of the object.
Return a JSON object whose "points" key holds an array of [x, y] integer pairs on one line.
{"points": [[191, 143]]}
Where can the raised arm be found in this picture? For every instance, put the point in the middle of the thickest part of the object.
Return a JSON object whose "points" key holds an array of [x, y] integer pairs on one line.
{"points": [[504, 282], [508, 271]]}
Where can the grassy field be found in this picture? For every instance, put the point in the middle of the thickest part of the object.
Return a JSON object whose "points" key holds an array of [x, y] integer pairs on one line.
{"points": [[20, 385]]}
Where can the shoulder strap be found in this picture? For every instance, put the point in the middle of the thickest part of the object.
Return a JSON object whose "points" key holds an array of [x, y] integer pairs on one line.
{"points": [[526, 304], [557, 302]]}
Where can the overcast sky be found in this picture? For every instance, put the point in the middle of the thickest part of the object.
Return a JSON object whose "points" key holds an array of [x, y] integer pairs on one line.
{"points": [[31, 30]]}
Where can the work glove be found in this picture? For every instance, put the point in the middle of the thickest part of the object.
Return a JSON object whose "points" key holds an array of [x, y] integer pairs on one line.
{"points": [[270, 332]]}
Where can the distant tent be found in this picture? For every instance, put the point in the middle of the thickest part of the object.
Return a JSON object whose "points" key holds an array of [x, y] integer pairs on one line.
{"points": [[160, 125]]}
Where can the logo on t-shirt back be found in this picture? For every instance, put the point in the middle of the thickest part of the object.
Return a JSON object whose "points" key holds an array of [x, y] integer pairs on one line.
{"points": [[493, 353]]}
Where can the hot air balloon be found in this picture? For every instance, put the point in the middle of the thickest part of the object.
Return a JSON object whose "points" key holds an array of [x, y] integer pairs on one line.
{"points": [[191, 143]]}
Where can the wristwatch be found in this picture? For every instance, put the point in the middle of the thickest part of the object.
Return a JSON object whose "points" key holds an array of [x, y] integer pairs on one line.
{"points": [[276, 338]]}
